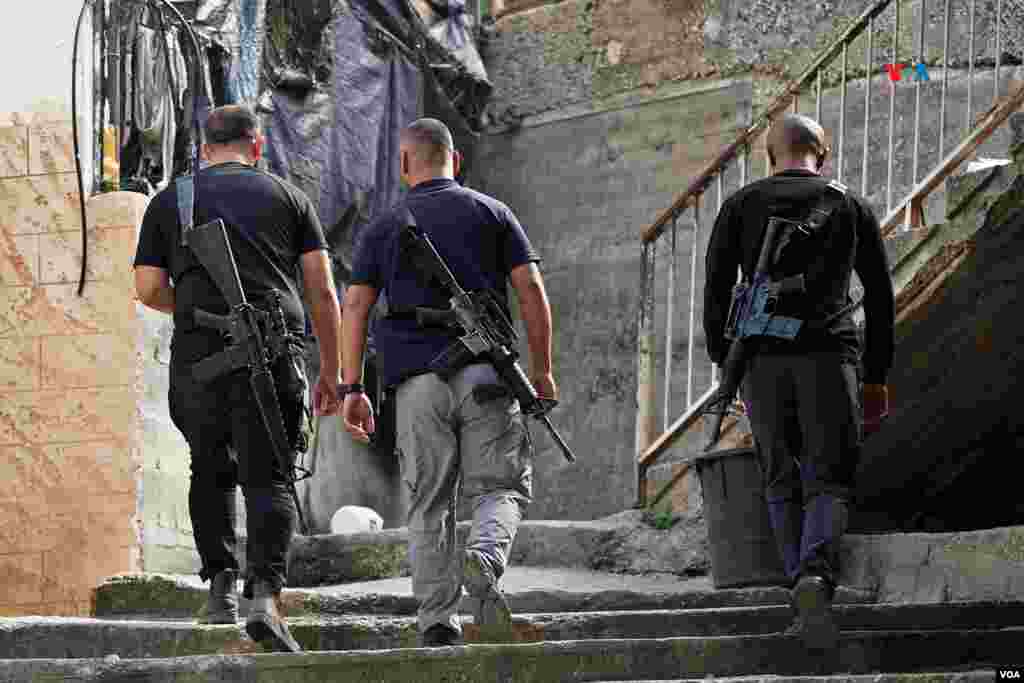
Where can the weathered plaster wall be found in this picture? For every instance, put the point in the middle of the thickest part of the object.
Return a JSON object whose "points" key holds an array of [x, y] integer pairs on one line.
{"points": [[167, 528], [69, 455], [582, 185], [554, 64], [546, 56]]}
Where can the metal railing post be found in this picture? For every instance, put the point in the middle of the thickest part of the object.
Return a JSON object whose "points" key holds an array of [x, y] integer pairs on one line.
{"points": [[693, 299], [945, 80], [817, 98], [645, 432], [670, 315], [917, 95], [999, 50], [718, 210], [869, 71], [892, 112], [970, 66], [842, 115]]}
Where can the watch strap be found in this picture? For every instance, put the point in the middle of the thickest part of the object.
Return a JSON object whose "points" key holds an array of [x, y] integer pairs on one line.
{"points": [[346, 389]]}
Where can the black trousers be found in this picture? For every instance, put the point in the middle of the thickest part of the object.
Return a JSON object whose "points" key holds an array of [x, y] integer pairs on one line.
{"points": [[806, 418], [230, 447]]}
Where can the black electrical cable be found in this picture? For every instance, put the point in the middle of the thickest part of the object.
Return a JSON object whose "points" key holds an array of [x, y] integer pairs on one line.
{"points": [[74, 134]]}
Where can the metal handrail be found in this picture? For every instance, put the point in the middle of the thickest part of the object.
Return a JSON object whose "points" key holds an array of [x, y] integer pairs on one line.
{"points": [[908, 211], [778, 105]]}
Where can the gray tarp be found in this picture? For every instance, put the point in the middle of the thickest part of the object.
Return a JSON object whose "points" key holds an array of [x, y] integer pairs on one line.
{"points": [[339, 143]]}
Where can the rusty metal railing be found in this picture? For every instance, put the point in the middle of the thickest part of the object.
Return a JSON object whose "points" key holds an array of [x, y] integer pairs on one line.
{"points": [[735, 161]]}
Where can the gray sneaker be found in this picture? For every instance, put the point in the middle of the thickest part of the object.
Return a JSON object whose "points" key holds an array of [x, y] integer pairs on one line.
{"points": [[491, 612]]}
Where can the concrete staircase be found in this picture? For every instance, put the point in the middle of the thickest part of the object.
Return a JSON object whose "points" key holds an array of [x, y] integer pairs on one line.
{"points": [[957, 359], [947, 605]]}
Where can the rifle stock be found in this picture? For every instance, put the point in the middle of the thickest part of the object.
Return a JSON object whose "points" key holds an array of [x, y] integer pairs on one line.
{"points": [[207, 241]]}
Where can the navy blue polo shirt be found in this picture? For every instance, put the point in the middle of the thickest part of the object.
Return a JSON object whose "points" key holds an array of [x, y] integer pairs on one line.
{"points": [[478, 237]]}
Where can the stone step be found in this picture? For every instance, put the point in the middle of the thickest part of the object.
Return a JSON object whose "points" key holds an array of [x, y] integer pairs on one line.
{"points": [[983, 676], [529, 589], [861, 652], [54, 637]]}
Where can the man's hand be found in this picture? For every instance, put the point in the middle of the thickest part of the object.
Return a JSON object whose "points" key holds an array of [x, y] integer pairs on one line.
{"points": [[545, 386], [876, 407], [325, 396], [357, 417]]}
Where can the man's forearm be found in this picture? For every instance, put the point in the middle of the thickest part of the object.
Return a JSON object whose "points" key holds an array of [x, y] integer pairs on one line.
{"points": [[536, 312], [326, 315], [353, 335], [161, 299]]}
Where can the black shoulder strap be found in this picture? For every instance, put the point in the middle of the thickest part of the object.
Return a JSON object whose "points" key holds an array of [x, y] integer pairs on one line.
{"points": [[820, 213], [186, 205]]}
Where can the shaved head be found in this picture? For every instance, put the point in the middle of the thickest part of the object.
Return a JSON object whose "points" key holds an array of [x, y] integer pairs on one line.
{"points": [[794, 137], [429, 141]]}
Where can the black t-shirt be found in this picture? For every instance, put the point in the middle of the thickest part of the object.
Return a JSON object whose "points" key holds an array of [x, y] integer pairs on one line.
{"points": [[269, 223], [850, 241], [478, 237]]}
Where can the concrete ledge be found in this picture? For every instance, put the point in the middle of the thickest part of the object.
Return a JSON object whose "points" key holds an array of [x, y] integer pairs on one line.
{"points": [[925, 568], [344, 558], [527, 590], [984, 676], [621, 543], [858, 653], [43, 637]]}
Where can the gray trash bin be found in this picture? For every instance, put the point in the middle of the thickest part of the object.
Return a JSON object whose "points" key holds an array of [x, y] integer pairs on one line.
{"points": [[743, 549]]}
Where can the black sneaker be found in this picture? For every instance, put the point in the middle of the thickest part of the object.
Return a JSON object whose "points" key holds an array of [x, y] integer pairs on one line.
{"points": [[439, 635], [812, 600]]}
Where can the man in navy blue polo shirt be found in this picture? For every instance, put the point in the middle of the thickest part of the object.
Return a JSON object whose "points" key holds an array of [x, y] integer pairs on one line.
{"points": [[462, 429]]}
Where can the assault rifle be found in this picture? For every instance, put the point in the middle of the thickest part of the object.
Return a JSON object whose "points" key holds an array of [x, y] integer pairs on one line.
{"points": [[487, 332], [752, 310], [249, 348]]}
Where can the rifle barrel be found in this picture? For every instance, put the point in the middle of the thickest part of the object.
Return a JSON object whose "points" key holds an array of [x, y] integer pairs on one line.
{"points": [[558, 438]]}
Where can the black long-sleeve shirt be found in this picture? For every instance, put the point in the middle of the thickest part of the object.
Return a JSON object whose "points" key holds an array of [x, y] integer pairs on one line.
{"points": [[850, 241]]}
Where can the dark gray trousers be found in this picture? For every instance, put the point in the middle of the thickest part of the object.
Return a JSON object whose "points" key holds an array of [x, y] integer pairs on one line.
{"points": [[805, 414]]}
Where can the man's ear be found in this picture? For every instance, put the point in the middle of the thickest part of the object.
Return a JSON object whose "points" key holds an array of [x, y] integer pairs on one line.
{"points": [[822, 156], [404, 168], [456, 162]]}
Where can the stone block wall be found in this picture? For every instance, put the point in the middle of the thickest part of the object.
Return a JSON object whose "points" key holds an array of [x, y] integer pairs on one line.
{"points": [[68, 458], [71, 371]]}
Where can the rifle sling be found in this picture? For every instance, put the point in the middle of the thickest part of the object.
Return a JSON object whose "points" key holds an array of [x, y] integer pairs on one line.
{"points": [[817, 217], [186, 206]]}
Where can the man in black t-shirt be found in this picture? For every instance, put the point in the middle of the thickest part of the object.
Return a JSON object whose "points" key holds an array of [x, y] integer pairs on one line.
{"points": [[464, 427], [803, 394], [272, 227]]}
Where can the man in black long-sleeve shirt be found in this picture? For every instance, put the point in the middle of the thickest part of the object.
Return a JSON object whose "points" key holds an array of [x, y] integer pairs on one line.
{"points": [[804, 394]]}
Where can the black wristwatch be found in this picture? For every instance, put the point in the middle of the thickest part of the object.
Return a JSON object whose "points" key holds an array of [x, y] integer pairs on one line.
{"points": [[346, 389]]}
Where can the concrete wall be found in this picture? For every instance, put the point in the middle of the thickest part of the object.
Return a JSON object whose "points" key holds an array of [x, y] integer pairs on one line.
{"points": [[583, 184], [555, 63], [69, 454]]}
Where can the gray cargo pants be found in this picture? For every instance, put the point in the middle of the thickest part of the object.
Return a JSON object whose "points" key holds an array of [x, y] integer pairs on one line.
{"points": [[444, 433]]}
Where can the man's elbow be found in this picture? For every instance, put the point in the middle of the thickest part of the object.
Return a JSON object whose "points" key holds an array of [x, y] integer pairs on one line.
{"points": [[146, 296], [323, 296]]}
